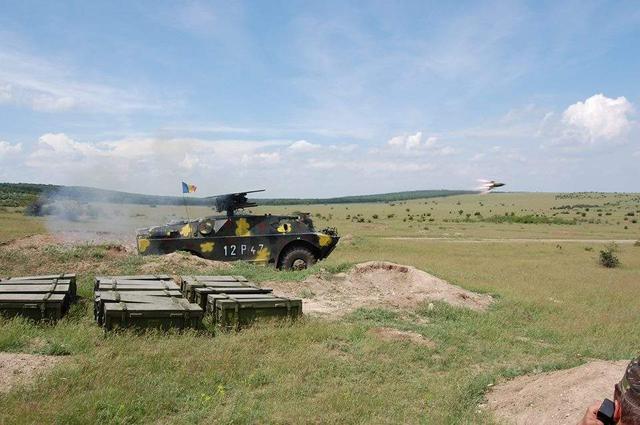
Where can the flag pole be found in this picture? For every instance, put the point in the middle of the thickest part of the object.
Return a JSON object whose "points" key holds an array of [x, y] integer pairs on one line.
{"points": [[184, 200]]}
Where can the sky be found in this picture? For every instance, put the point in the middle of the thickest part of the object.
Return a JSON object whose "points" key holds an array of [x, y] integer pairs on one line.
{"points": [[323, 98]]}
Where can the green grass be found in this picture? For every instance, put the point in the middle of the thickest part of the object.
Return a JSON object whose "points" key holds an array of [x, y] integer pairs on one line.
{"points": [[556, 307], [527, 219], [13, 225]]}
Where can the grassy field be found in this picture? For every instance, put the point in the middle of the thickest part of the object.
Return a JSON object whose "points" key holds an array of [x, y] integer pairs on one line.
{"points": [[556, 307]]}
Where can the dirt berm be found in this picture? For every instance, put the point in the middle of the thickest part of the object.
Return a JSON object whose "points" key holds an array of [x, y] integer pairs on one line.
{"points": [[555, 397], [376, 284]]}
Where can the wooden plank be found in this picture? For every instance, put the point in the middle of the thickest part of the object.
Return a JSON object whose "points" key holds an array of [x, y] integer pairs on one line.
{"points": [[34, 289]]}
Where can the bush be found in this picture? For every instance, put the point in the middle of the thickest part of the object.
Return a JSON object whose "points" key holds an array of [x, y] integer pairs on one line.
{"points": [[608, 256]]}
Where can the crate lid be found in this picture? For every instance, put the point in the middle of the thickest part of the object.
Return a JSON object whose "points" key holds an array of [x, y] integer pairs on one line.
{"points": [[33, 289]]}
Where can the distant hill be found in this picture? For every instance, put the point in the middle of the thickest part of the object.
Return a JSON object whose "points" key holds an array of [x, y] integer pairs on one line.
{"points": [[23, 194], [380, 197]]}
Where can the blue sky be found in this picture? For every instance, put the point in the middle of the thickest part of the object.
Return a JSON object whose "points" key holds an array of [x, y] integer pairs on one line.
{"points": [[321, 98]]}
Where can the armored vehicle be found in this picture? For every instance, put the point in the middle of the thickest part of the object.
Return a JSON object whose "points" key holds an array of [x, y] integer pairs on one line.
{"points": [[286, 241]]}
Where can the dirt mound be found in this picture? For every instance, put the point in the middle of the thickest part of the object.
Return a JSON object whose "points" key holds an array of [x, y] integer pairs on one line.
{"points": [[376, 284], [65, 240], [33, 242], [172, 263], [556, 397], [396, 335], [22, 368]]}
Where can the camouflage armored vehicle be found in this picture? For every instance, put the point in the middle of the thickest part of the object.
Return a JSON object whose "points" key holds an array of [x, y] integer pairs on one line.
{"points": [[288, 242]]}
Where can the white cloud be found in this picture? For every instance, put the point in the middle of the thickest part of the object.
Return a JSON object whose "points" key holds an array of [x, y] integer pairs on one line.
{"points": [[189, 161], [303, 146], [260, 158], [431, 141], [5, 93], [7, 149], [408, 141], [61, 144], [413, 141], [42, 85], [598, 118], [414, 145], [148, 164]]}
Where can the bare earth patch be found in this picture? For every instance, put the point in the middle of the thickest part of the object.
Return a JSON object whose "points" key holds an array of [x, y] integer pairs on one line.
{"points": [[559, 397], [396, 335], [376, 284], [171, 263], [16, 368], [70, 238]]}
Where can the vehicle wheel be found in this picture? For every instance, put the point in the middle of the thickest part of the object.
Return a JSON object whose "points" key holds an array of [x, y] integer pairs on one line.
{"points": [[298, 258]]}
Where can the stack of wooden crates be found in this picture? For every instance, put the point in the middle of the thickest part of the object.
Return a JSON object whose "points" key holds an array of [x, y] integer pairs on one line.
{"points": [[147, 301], [234, 303], [37, 297]]}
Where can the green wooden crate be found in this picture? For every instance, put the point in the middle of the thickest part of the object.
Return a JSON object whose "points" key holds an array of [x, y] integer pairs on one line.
{"points": [[34, 289], [137, 278], [189, 288], [184, 280], [210, 308], [63, 278], [201, 294], [161, 315], [102, 297], [137, 285], [237, 312], [35, 306]]}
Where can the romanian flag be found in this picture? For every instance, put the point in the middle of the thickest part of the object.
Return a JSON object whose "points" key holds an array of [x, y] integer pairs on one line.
{"points": [[188, 188]]}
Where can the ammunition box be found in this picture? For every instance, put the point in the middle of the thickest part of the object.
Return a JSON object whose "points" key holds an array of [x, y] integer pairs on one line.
{"points": [[36, 306], [64, 278], [200, 294], [142, 277], [102, 297], [236, 312], [137, 285], [213, 298], [188, 288], [163, 315], [184, 280]]}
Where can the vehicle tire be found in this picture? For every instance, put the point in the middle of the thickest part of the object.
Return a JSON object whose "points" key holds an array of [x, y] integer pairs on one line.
{"points": [[297, 258]]}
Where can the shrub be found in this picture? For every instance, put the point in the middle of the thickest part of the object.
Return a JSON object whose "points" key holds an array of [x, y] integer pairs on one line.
{"points": [[608, 256]]}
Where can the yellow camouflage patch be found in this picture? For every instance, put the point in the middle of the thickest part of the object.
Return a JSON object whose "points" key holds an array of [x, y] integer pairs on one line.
{"points": [[186, 230], [207, 246], [262, 254], [242, 227], [323, 239], [143, 244], [284, 228]]}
